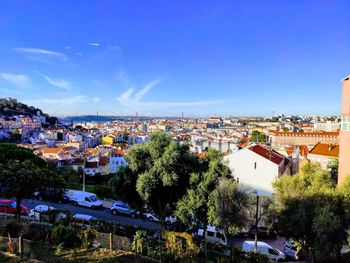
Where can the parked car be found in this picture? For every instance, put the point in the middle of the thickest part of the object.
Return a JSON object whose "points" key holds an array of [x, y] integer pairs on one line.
{"points": [[38, 210], [120, 207], [291, 250], [8, 206], [263, 232], [83, 220], [213, 235], [264, 249], [85, 199], [152, 217], [52, 194]]}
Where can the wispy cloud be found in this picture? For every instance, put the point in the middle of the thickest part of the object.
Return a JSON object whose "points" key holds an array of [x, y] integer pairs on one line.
{"points": [[60, 83], [59, 102], [40, 54], [96, 99], [17, 79], [139, 95], [131, 99], [129, 96], [94, 44]]}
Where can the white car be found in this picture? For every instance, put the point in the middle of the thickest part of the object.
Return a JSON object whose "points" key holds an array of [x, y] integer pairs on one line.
{"points": [[213, 235], [85, 199], [152, 217], [38, 210], [264, 249]]}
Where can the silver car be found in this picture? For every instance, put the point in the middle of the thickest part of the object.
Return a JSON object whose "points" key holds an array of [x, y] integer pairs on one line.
{"points": [[119, 207]]}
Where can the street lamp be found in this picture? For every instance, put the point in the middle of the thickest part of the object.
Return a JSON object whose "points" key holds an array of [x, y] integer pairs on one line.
{"points": [[256, 221], [84, 173]]}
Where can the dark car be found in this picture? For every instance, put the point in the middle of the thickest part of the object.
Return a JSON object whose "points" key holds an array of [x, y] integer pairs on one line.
{"points": [[8, 206], [52, 194], [263, 232]]}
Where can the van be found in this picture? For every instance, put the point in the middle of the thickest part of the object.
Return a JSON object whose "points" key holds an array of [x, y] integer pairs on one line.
{"points": [[214, 235], [264, 249], [85, 199]]}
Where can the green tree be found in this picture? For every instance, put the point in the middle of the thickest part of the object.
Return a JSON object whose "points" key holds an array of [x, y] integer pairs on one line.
{"points": [[124, 187], [195, 204], [21, 172], [164, 168], [258, 137], [227, 206], [312, 211]]}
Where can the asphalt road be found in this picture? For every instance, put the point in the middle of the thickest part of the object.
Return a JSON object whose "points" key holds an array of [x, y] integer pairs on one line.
{"points": [[103, 214]]}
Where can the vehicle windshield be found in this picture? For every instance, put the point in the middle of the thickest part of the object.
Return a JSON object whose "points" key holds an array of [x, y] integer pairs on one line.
{"points": [[93, 198]]}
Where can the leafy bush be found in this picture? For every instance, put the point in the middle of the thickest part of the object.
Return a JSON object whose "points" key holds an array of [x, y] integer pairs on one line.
{"points": [[37, 231], [67, 235], [103, 191], [87, 237], [13, 228], [180, 246], [140, 241]]}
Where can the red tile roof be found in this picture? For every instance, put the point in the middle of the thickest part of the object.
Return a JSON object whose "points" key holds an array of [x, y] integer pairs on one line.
{"points": [[325, 150], [272, 155]]}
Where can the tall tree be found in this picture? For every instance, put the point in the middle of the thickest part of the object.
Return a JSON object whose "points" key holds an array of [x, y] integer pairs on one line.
{"points": [[312, 211], [21, 172], [164, 168], [193, 207], [228, 205]]}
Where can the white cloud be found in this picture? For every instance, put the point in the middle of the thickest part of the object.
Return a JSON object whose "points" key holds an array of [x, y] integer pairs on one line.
{"points": [[126, 96], [17, 79], [141, 93], [96, 99], [59, 102], [61, 83], [40, 54], [129, 99], [94, 44]]}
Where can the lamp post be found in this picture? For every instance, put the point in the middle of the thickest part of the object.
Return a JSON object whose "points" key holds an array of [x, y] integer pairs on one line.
{"points": [[84, 173], [256, 221]]}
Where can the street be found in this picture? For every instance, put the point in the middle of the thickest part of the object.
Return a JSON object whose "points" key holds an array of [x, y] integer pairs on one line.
{"points": [[103, 214]]}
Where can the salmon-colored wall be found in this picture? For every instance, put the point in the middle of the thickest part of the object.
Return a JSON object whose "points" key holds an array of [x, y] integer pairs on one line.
{"points": [[344, 136], [345, 109], [344, 156]]}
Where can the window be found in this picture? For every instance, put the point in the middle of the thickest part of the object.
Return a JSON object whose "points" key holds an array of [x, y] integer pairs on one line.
{"points": [[87, 199], [254, 165], [210, 234], [273, 252]]}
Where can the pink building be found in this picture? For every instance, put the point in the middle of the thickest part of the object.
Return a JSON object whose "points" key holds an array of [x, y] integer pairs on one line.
{"points": [[344, 145]]}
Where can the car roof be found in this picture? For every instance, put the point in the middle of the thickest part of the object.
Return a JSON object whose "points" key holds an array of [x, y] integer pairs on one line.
{"points": [[120, 202], [83, 216], [259, 243]]}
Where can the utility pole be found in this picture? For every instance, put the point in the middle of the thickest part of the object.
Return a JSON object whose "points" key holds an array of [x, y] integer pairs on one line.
{"points": [[256, 222], [84, 173]]}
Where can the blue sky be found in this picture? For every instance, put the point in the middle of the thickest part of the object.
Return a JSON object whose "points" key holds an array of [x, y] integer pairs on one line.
{"points": [[167, 57]]}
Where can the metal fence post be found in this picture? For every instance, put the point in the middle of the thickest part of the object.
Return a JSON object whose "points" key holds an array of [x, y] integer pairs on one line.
{"points": [[110, 241], [20, 246]]}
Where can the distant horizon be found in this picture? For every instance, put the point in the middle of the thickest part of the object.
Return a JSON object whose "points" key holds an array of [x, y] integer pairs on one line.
{"points": [[161, 58]]}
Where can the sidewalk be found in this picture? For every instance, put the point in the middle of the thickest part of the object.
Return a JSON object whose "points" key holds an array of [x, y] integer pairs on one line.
{"points": [[107, 203]]}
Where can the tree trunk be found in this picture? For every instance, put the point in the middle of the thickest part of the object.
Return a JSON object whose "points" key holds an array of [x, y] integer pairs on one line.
{"points": [[18, 207]]}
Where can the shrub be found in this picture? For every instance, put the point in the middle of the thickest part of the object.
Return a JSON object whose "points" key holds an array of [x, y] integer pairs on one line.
{"points": [[87, 237], [140, 241], [67, 235], [180, 246], [103, 191], [14, 228], [37, 231]]}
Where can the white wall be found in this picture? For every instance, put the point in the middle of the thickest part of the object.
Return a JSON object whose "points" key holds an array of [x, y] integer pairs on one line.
{"points": [[242, 166]]}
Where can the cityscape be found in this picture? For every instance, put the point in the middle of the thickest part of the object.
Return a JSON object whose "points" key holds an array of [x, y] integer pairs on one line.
{"points": [[150, 131]]}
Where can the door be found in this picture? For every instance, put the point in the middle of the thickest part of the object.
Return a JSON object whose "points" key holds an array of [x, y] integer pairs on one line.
{"points": [[273, 254], [87, 202]]}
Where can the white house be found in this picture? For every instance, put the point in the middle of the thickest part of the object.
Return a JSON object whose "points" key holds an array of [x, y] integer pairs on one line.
{"points": [[257, 166], [117, 160]]}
